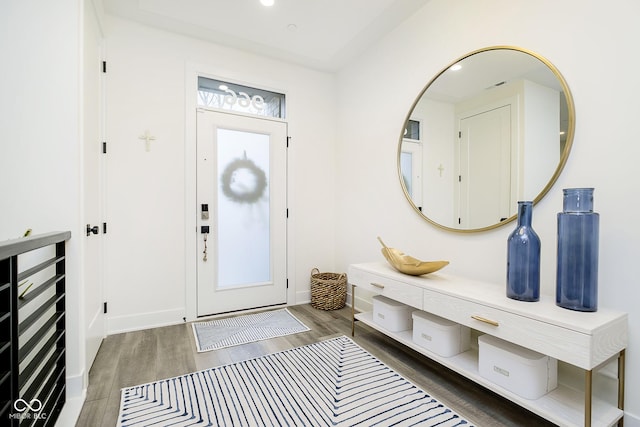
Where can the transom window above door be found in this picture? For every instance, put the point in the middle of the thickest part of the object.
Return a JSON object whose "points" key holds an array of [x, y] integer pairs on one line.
{"points": [[243, 99]]}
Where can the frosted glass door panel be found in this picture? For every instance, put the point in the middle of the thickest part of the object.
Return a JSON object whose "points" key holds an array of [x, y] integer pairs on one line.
{"points": [[243, 209]]}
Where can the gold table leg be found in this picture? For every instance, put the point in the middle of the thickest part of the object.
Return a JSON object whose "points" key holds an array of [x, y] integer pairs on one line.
{"points": [[588, 383], [588, 391], [621, 362]]}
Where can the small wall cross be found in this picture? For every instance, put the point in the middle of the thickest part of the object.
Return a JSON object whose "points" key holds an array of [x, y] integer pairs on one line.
{"points": [[147, 138]]}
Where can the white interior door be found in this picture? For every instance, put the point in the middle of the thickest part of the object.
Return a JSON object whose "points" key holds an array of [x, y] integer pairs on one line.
{"points": [[485, 163], [242, 212], [93, 191]]}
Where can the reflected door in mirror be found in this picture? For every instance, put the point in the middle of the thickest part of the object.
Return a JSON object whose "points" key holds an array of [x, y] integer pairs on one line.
{"points": [[484, 159]]}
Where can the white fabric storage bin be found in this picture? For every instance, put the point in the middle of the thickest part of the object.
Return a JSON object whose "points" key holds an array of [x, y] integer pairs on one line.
{"points": [[439, 335], [390, 314], [524, 372]]}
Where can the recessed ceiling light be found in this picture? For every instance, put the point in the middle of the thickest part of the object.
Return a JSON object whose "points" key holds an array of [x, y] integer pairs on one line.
{"points": [[267, 2]]}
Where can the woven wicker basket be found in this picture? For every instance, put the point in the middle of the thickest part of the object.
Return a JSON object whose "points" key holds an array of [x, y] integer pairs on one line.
{"points": [[328, 290]]}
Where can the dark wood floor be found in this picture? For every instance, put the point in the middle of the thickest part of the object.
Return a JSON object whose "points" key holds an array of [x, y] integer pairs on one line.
{"points": [[139, 357]]}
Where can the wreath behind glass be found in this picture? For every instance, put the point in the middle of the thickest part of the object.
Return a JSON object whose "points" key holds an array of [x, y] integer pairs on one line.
{"points": [[243, 181]]}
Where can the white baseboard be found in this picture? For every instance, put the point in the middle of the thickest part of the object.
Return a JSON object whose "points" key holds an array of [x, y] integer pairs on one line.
{"points": [[631, 420], [76, 395], [137, 322], [302, 297], [70, 412], [75, 386]]}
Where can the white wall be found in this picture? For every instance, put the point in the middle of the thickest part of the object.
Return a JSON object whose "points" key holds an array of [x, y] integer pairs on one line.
{"points": [[40, 152], [591, 45], [150, 271]]}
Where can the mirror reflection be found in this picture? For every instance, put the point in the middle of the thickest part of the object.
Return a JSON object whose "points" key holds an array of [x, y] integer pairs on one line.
{"points": [[492, 128]]}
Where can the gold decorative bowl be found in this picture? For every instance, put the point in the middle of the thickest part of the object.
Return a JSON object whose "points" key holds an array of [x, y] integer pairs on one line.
{"points": [[407, 264]]}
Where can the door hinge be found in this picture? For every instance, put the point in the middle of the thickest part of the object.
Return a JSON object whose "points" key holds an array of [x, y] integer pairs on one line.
{"points": [[287, 213], [459, 221], [104, 228], [287, 283], [104, 147], [104, 307], [288, 139], [104, 66], [459, 134], [459, 178]]}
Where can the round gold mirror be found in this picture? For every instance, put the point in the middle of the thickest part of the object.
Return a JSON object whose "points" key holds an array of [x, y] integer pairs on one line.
{"points": [[492, 128]]}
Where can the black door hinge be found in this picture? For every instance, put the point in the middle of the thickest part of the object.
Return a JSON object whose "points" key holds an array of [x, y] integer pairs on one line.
{"points": [[287, 212], [104, 228], [104, 147], [104, 66], [459, 134], [287, 283], [104, 307], [288, 139]]}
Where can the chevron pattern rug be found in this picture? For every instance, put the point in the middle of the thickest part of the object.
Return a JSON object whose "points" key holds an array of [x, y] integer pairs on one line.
{"points": [[221, 333], [330, 383]]}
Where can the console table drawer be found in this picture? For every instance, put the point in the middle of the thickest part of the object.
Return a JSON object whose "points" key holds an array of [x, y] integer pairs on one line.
{"points": [[555, 341], [406, 294]]}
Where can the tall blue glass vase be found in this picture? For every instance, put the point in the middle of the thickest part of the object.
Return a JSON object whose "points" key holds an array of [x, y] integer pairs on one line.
{"points": [[523, 258], [578, 235]]}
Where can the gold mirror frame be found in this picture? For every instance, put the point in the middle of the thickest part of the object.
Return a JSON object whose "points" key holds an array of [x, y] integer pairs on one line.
{"points": [[562, 160]]}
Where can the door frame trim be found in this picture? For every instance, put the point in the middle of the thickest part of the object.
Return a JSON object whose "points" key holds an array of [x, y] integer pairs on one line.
{"points": [[191, 234]]}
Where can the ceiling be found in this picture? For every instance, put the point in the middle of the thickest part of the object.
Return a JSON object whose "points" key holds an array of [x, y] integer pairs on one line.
{"points": [[320, 34]]}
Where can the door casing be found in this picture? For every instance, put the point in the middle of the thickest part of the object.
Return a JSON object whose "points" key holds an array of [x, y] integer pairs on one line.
{"points": [[192, 71]]}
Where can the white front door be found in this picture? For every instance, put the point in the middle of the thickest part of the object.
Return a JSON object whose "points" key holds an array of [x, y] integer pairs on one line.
{"points": [[242, 212]]}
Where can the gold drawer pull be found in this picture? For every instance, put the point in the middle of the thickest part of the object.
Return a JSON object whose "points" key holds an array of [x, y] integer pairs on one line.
{"points": [[377, 285], [485, 320]]}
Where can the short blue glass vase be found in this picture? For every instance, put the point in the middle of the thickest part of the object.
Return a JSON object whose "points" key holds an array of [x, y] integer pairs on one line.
{"points": [[523, 258], [578, 236]]}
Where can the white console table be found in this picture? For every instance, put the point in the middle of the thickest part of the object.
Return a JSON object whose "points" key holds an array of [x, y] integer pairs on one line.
{"points": [[585, 340]]}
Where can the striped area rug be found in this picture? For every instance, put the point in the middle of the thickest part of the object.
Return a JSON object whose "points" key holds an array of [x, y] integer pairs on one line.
{"points": [[221, 333], [330, 383]]}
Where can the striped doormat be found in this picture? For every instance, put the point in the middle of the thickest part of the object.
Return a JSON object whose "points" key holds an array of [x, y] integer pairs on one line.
{"points": [[330, 383], [221, 333]]}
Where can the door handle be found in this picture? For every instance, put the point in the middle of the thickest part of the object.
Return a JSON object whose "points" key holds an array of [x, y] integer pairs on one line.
{"points": [[94, 229]]}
